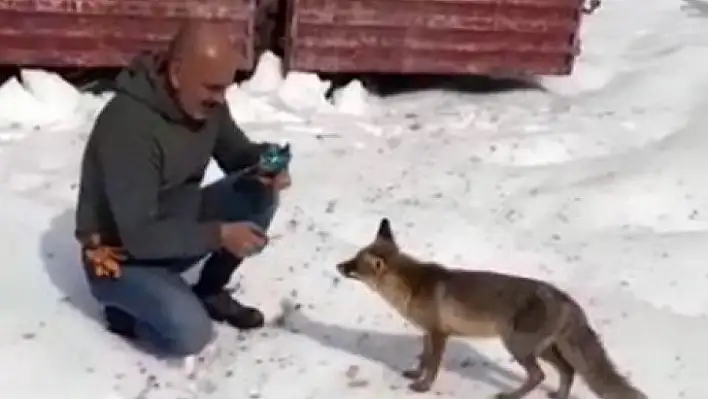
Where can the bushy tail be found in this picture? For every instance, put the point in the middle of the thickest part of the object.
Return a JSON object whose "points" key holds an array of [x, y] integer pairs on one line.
{"points": [[581, 346]]}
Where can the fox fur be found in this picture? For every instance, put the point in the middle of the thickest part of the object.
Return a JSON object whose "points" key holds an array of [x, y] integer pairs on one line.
{"points": [[534, 319]]}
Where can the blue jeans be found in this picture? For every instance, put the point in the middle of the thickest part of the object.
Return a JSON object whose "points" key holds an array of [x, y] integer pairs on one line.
{"points": [[169, 316]]}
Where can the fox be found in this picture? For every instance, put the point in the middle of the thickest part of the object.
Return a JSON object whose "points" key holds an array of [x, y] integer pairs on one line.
{"points": [[534, 319]]}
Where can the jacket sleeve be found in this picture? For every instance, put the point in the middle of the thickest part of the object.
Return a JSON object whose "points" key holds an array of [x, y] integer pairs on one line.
{"points": [[233, 150], [130, 163]]}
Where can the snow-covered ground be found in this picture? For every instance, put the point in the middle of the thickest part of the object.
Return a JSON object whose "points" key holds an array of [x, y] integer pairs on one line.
{"points": [[596, 184]]}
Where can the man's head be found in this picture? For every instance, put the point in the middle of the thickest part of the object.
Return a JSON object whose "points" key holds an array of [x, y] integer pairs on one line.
{"points": [[201, 63]]}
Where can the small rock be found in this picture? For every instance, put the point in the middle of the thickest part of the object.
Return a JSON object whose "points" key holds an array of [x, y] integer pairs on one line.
{"points": [[279, 321], [352, 371], [330, 206], [358, 383], [207, 386]]}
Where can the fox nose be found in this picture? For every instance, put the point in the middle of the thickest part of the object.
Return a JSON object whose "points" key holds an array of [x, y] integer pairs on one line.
{"points": [[345, 269]]}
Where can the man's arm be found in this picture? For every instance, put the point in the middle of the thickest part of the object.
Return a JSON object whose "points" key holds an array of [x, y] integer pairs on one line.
{"points": [[233, 150], [130, 161]]}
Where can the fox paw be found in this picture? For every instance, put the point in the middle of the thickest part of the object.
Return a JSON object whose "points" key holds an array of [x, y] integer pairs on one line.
{"points": [[412, 374], [506, 395], [558, 395], [420, 386]]}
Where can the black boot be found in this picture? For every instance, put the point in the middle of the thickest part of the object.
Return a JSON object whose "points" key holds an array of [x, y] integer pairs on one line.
{"points": [[223, 308], [218, 302], [119, 322]]}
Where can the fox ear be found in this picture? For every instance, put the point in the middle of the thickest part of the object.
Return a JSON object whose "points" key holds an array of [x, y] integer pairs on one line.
{"points": [[377, 264], [374, 263], [384, 231]]}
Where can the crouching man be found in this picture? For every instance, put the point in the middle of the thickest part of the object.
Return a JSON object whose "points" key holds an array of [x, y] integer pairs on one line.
{"points": [[140, 194]]}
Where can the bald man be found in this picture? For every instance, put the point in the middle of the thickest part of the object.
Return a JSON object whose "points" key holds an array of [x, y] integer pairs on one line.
{"points": [[140, 191]]}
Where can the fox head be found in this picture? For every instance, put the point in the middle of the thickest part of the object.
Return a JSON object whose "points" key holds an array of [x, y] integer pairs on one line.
{"points": [[374, 261]]}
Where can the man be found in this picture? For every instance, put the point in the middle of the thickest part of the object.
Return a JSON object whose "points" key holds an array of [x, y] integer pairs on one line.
{"points": [[140, 192]]}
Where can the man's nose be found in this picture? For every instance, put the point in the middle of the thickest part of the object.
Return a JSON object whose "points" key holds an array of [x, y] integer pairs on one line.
{"points": [[219, 98]]}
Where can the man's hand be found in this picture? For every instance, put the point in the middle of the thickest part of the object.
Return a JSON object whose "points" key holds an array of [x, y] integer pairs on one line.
{"points": [[242, 238], [104, 259], [281, 181]]}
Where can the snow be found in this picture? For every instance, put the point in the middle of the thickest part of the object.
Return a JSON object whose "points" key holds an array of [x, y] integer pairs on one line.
{"points": [[352, 99], [304, 92], [596, 184], [267, 76]]}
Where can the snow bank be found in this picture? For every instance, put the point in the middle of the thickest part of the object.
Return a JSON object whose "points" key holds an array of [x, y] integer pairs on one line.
{"points": [[268, 75], [19, 109], [352, 99], [43, 100], [304, 92], [266, 91], [639, 101], [54, 93], [606, 44], [249, 108]]}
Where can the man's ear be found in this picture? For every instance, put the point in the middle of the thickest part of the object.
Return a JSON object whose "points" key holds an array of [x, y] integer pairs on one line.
{"points": [[173, 73], [384, 232]]}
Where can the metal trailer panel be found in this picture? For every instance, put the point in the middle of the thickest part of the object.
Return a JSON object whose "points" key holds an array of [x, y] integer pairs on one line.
{"points": [[103, 33], [493, 37]]}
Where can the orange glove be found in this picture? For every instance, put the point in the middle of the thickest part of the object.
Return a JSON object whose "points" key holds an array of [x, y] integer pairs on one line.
{"points": [[104, 259]]}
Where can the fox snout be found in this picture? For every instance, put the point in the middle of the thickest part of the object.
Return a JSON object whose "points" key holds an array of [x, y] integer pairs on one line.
{"points": [[347, 269]]}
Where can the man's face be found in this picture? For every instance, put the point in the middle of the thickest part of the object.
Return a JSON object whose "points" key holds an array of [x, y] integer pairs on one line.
{"points": [[200, 83]]}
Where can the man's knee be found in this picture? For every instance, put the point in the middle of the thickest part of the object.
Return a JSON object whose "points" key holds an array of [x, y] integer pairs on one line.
{"points": [[237, 199], [188, 334], [168, 315], [255, 195], [265, 217], [183, 325]]}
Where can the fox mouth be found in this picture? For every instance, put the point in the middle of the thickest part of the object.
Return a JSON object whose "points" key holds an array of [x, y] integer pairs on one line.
{"points": [[346, 270]]}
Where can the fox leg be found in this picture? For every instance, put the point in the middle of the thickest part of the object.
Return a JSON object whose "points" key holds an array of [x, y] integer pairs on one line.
{"points": [[565, 370], [430, 361], [417, 372], [523, 347]]}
